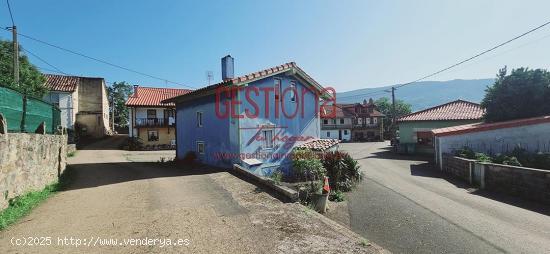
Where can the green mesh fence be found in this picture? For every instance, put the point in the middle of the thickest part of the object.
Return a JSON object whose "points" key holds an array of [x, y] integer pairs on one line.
{"points": [[37, 111]]}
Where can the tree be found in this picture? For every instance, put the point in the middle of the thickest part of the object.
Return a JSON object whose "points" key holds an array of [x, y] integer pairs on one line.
{"points": [[522, 94], [384, 105], [119, 92], [31, 81]]}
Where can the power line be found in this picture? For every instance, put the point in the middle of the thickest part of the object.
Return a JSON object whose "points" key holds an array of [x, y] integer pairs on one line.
{"points": [[476, 56], [11, 15], [102, 61], [42, 60]]}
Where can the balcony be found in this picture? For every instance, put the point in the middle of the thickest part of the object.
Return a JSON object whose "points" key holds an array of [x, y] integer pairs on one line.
{"points": [[335, 126], [154, 122], [366, 126]]}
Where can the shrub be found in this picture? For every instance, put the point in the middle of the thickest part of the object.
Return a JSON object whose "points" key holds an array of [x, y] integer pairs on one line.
{"points": [[481, 157], [337, 196], [135, 144], [506, 160], [466, 152], [277, 176], [307, 166], [342, 170]]}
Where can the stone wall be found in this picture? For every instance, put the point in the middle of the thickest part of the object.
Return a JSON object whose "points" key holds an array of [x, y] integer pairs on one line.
{"points": [[459, 167], [29, 162], [528, 183]]}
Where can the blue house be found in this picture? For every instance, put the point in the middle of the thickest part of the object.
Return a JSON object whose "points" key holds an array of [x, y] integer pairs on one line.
{"points": [[254, 120]]}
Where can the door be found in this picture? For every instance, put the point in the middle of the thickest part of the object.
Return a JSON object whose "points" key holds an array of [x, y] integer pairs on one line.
{"points": [[340, 134]]}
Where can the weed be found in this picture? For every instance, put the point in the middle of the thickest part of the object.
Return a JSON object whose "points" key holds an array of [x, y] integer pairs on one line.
{"points": [[71, 154], [22, 205]]}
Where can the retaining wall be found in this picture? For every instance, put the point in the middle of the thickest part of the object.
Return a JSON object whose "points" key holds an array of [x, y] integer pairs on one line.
{"points": [[29, 162], [528, 183]]}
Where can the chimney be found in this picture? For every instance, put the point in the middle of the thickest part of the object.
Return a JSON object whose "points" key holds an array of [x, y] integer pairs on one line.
{"points": [[135, 91], [227, 68]]}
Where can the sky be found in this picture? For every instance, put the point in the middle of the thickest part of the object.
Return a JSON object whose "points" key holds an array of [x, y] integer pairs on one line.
{"points": [[343, 44]]}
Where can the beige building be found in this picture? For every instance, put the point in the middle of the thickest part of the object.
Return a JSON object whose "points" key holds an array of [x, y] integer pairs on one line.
{"points": [[153, 122], [83, 103]]}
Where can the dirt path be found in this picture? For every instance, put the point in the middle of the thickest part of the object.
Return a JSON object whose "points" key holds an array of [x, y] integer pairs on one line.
{"points": [[202, 211]]}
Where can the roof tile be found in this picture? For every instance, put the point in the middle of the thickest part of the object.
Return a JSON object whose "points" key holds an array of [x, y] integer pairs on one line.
{"points": [[455, 110], [152, 96]]}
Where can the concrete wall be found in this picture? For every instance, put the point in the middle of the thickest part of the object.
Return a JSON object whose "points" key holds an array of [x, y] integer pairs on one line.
{"points": [[65, 102], [458, 167], [528, 183], [534, 138], [165, 136], [408, 138], [29, 162], [93, 103]]}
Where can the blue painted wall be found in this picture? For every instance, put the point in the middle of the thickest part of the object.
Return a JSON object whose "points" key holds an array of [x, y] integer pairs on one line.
{"points": [[236, 136], [214, 131], [304, 126]]}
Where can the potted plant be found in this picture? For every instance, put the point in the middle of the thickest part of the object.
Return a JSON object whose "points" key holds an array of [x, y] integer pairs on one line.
{"points": [[309, 167]]}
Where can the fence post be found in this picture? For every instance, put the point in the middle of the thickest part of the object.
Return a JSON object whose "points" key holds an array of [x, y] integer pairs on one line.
{"points": [[3, 124], [24, 114]]}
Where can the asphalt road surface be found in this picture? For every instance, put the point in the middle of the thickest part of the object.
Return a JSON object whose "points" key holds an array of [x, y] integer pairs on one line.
{"points": [[406, 206]]}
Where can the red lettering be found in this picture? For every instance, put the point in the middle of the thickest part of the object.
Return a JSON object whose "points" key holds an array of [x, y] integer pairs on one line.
{"points": [[266, 91], [235, 102], [252, 102], [219, 92]]}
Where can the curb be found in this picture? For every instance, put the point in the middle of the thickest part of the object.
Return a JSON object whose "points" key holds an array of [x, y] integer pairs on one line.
{"points": [[287, 192]]}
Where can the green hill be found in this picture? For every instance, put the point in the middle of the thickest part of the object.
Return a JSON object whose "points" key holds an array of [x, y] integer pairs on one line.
{"points": [[424, 94]]}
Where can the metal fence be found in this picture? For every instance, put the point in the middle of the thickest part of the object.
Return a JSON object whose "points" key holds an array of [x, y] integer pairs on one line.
{"points": [[25, 113]]}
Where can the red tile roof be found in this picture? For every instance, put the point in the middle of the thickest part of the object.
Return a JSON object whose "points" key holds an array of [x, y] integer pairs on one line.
{"points": [[319, 144], [61, 83], [477, 127], [253, 76], [455, 110], [152, 96]]}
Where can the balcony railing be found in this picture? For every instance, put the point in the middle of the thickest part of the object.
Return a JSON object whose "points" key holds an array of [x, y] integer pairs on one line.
{"points": [[153, 122], [366, 126], [336, 126]]}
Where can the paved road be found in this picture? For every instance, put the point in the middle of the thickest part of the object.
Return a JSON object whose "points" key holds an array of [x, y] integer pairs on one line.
{"points": [[115, 198], [406, 206]]}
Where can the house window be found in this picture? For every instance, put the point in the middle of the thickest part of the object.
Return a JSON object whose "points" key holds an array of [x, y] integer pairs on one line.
{"points": [[152, 135], [359, 120], [345, 132], [328, 134], [325, 121], [200, 147], [151, 113], [333, 121], [292, 91], [277, 87], [424, 138], [341, 120], [268, 138], [199, 119], [375, 120], [368, 120]]}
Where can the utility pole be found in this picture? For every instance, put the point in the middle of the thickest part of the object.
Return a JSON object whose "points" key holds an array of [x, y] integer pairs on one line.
{"points": [[15, 55], [393, 110]]}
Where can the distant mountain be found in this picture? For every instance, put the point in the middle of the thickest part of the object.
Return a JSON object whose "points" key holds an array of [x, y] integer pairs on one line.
{"points": [[425, 94]]}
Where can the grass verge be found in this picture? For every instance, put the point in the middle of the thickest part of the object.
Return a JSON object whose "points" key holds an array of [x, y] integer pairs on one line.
{"points": [[22, 205]]}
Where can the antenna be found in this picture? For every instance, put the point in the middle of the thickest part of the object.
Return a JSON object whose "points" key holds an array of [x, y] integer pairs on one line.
{"points": [[209, 76]]}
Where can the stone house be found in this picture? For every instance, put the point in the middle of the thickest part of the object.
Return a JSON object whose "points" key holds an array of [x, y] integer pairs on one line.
{"points": [[354, 122], [151, 120], [83, 102]]}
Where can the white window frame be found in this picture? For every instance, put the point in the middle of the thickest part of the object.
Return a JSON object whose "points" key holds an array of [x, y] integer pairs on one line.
{"points": [[328, 134], [277, 91], [268, 143], [199, 143], [293, 91], [325, 121], [199, 118]]}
